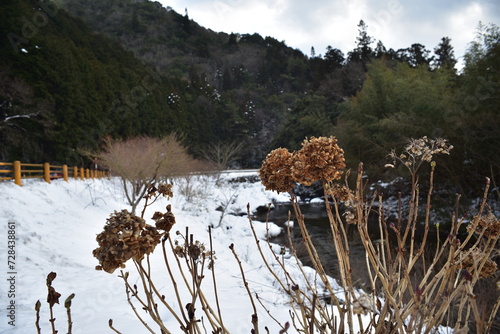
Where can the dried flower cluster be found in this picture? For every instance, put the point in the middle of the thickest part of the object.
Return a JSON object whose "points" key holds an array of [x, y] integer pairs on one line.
{"points": [[488, 224], [164, 221], [473, 259], [318, 159], [125, 236], [276, 173], [195, 250], [162, 189], [53, 295], [420, 150], [342, 193]]}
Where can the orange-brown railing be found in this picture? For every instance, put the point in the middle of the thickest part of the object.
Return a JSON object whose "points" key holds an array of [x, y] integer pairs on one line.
{"points": [[17, 171]]}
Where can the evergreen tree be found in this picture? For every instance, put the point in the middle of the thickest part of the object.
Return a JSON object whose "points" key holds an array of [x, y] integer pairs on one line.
{"points": [[363, 51], [445, 57]]}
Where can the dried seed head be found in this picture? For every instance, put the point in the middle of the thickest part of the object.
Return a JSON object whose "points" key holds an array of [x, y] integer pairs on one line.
{"points": [[164, 221], [318, 159], [341, 193], [473, 259], [125, 236], [421, 149], [487, 224], [162, 189], [275, 172]]}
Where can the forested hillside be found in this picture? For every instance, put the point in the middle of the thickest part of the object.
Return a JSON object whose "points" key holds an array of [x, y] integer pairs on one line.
{"points": [[124, 68]]}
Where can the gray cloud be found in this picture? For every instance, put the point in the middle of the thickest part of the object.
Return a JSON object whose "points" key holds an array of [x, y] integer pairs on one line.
{"points": [[319, 23]]}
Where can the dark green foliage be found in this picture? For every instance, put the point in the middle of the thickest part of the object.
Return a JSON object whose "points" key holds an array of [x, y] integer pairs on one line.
{"points": [[395, 103], [125, 68]]}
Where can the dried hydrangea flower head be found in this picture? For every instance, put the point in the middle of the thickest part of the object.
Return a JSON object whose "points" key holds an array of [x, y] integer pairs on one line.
{"points": [[319, 159], [473, 259], [164, 221], [162, 189], [487, 224], [420, 150], [275, 172], [125, 236]]}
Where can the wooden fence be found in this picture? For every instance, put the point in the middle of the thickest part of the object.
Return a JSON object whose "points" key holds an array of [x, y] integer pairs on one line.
{"points": [[17, 171]]}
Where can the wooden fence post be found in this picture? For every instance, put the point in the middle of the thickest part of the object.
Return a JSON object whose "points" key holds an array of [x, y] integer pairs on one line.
{"points": [[75, 172], [46, 172], [65, 172], [17, 172], [82, 173]]}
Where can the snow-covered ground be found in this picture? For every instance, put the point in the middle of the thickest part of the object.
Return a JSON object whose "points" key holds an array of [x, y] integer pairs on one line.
{"points": [[55, 229]]}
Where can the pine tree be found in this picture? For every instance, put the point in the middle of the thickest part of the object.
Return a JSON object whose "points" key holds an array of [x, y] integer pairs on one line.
{"points": [[445, 57]]}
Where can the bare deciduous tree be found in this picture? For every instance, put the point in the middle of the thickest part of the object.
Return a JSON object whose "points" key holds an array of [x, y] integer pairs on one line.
{"points": [[220, 155], [141, 161]]}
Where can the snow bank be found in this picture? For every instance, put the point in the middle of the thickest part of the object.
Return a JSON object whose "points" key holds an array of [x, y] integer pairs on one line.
{"points": [[56, 225]]}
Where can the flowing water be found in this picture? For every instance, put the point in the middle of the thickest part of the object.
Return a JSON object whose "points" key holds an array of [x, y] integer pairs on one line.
{"points": [[318, 226]]}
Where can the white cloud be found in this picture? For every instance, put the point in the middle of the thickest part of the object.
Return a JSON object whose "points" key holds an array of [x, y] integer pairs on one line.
{"points": [[319, 23]]}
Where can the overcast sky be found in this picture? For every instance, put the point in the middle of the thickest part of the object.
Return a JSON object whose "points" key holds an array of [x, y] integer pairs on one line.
{"points": [[319, 23]]}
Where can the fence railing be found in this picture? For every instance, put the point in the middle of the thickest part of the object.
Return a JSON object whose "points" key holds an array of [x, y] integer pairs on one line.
{"points": [[17, 171]]}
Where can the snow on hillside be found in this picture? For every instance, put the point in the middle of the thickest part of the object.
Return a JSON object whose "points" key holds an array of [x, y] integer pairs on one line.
{"points": [[55, 228]]}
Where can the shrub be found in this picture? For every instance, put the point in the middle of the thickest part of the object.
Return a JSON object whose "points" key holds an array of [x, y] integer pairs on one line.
{"points": [[140, 162]]}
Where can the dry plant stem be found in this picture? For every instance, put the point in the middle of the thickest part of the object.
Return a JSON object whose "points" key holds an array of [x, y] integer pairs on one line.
{"points": [[266, 263], [146, 283], [493, 313], [317, 263], [37, 319], [254, 315], [269, 312], [387, 281], [52, 320], [298, 295], [428, 208], [313, 307], [308, 285], [480, 212], [128, 290], [150, 291], [214, 280], [311, 250], [171, 275], [214, 320], [297, 261], [110, 324], [203, 299], [342, 249], [70, 322]]}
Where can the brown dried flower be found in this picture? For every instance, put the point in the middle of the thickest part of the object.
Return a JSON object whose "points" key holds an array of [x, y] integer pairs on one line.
{"points": [[318, 159], [420, 150], [125, 236], [471, 261], [341, 192], [194, 250], [488, 224], [275, 172], [162, 189], [164, 221]]}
